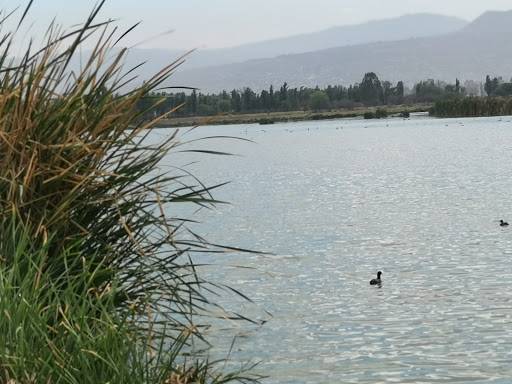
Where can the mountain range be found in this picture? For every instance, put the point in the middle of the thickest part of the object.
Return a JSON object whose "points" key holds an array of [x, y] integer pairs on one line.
{"points": [[410, 48], [403, 27]]}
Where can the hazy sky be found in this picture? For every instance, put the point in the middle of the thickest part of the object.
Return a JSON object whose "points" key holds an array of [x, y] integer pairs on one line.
{"points": [[221, 23]]}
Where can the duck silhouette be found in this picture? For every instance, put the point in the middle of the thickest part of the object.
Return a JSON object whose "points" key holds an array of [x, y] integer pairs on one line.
{"points": [[503, 223], [377, 280]]}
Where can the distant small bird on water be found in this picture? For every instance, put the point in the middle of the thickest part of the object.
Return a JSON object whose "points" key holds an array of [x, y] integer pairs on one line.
{"points": [[503, 223], [377, 280]]}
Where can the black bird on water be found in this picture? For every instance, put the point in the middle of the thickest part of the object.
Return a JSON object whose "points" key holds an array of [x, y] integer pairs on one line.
{"points": [[503, 223], [377, 280]]}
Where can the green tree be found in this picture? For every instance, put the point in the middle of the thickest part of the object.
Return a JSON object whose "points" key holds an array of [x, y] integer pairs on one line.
{"points": [[387, 91], [400, 89], [428, 91], [371, 89], [265, 99], [319, 100], [283, 92], [488, 85], [491, 85], [236, 101], [193, 102], [504, 89], [354, 93], [293, 100], [248, 99], [224, 106]]}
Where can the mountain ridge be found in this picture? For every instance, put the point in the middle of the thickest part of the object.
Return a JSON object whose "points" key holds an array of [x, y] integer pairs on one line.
{"points": [[469, 53], [405, 26]]}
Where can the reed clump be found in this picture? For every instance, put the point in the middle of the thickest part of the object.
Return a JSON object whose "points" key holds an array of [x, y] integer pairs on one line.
{"points": [[96, 280], [472, 107]]}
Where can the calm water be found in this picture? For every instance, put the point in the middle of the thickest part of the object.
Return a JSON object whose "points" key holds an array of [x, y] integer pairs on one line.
{"points": [[337, 201]]}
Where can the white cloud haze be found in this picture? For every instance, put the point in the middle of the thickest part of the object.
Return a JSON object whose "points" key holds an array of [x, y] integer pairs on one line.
{"points": [[222, 23]]}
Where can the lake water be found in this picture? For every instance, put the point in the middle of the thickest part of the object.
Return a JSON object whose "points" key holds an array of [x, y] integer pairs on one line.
{"points": [[335, 202]]}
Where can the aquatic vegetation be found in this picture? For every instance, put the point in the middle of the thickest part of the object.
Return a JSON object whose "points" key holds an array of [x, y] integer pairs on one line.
{"points": [[97, 283], [472, 107], [265, 121], [381, 113]]}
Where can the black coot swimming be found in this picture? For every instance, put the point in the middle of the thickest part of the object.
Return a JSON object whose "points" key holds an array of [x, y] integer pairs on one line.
{"points": [[377, 280]]}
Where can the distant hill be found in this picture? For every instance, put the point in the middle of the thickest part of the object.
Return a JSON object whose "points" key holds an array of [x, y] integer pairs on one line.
{"points": [[494, 22], [479, 48], [404, 27]]}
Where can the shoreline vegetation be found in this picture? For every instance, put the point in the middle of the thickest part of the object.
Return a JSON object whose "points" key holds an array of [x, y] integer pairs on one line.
{"points": [[473, 107], [291, 116], [451, 107], [371, 98], [98, 279]]}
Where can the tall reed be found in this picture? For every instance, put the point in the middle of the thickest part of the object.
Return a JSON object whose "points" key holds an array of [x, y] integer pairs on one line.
{"points": [[97, 283]]}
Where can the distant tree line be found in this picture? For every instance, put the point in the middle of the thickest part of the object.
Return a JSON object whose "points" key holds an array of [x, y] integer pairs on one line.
{"points": [[498, 87], [429, 91], [498, 101], [369, 92]]}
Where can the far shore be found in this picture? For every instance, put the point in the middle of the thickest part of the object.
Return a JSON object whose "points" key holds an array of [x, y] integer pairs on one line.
{"points": [[276, 117]]}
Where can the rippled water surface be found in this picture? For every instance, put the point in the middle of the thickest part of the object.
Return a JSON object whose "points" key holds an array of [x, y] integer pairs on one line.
{"points": [[337, 201]]}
